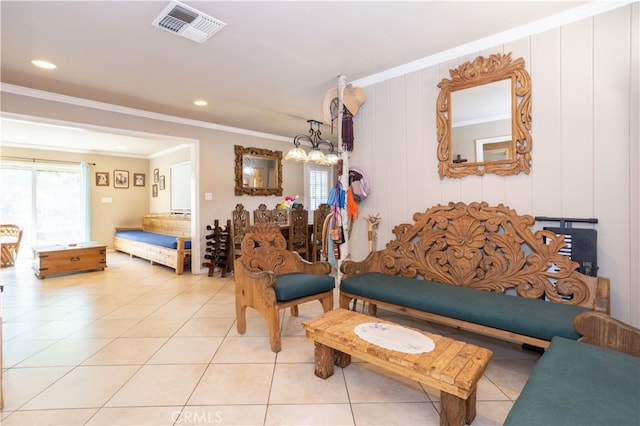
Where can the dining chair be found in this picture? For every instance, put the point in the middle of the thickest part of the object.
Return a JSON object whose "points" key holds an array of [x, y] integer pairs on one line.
{"points": [[262, 214], [268, 278], [298, 240], [240, 221], [319, 216], [10, 238], [280, 216]]}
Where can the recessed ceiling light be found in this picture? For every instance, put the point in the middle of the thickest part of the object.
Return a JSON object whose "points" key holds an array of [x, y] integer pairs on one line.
{"points": [[44, 64], [201, 103]]}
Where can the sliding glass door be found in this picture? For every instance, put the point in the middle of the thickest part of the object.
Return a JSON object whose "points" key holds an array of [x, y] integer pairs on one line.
{"points": [[46, 200]]}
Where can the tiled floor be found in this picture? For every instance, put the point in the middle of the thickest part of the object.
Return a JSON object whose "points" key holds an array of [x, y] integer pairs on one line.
{"points": [[138, 345]]}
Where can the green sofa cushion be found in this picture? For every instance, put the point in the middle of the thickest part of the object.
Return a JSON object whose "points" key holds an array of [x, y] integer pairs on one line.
{"points": [[529, 317], [579, 384], [296, 285]]}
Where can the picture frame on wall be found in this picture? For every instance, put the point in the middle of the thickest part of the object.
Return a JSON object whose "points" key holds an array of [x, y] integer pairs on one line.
{"points": [[120, 178], [156, 175], [102, 178], [138, 179], [154, 190], [161, 183]]}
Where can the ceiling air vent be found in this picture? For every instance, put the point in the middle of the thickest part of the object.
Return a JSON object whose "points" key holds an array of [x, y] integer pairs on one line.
{"points": [[187, 22]]}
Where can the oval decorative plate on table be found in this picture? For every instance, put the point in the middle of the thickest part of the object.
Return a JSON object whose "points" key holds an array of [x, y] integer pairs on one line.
{"points": [[394, 337]]}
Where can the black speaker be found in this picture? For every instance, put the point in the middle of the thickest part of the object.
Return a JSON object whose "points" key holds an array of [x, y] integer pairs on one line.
{"points": [[581, 246]]}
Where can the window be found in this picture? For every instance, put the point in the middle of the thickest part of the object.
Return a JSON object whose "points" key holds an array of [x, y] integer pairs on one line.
{"points": [[318, 181], [46, 200], [181, 188]]}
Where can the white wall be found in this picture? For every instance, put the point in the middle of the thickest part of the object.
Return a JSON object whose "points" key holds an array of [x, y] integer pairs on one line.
{"points": [[585, 98]]}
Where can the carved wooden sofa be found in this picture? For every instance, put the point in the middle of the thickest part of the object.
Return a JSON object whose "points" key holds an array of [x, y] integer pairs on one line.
{"points": [[594, 381], [436, 268], [163, 239], [268, 278]]}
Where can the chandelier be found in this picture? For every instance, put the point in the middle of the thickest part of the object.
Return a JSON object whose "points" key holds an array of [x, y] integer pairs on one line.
{"points": [[315, 156]]}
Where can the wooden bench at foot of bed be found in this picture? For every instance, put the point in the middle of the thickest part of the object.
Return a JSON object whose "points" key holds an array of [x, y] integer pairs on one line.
{"points": [[158, 225]]}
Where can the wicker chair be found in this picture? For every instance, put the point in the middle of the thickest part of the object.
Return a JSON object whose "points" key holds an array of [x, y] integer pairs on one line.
{"points": [[269, 278], [10, 237]]}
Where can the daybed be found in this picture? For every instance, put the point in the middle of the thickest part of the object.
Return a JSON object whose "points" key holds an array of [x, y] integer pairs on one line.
{"points": [[577, 383], [163, 239], [437, 267]]}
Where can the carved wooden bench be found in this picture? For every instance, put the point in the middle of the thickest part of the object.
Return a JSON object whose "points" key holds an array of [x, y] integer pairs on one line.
{"points": [[163, 239], [479, 268]]}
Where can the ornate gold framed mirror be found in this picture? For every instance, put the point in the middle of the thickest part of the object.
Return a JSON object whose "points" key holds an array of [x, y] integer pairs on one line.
{"points": [[483, 117], [258, 171]]}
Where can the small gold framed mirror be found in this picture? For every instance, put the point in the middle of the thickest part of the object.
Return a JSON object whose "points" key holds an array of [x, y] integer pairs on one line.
{"points": [[483, 118], [258, 171]]}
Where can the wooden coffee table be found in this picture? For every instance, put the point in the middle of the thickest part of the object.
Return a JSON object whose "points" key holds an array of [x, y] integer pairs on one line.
{"points": [[453, 367]]}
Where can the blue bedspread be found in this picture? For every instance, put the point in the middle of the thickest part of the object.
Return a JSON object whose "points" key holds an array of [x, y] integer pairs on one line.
{"points": [[152, 238]]}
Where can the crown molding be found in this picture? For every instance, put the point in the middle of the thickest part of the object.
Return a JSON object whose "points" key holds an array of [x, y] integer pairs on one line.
{"points": [[87, 103], [572, 15]]}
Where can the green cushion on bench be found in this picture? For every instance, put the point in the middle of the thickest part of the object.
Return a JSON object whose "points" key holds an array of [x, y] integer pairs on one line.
{"points": [[529, 317], [579, 384], [294, 286]]}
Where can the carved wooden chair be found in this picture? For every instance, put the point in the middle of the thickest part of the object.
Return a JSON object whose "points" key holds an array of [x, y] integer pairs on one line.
{"points": [[262, 214], [239, 222], [268, 278], [299, 231], [280, 216], [319, 216], [10, 238]]}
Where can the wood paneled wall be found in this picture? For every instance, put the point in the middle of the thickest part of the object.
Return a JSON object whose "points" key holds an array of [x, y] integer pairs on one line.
{"points": [[583, 75]]}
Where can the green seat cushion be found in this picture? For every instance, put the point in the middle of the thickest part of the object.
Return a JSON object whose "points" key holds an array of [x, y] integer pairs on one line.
{"points": [[579, 384], [529, 317], [294, 286]]}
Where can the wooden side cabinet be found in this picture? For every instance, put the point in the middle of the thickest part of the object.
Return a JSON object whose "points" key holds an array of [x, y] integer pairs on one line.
{"points": [[60, 259]]}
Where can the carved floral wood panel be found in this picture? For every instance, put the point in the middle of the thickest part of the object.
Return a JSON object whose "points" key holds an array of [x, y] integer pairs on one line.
{"points": [[481, 247]]}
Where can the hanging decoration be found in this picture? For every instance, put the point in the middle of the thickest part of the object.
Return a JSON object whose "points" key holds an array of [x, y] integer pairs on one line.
{"points": [[330, 106], [337, 200], [352, 205], [358, 190], [359, 182], [352, 99], [339, 105]]}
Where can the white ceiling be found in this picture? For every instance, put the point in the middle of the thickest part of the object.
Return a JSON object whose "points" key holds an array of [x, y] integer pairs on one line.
{"points": [[266, 70]]}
